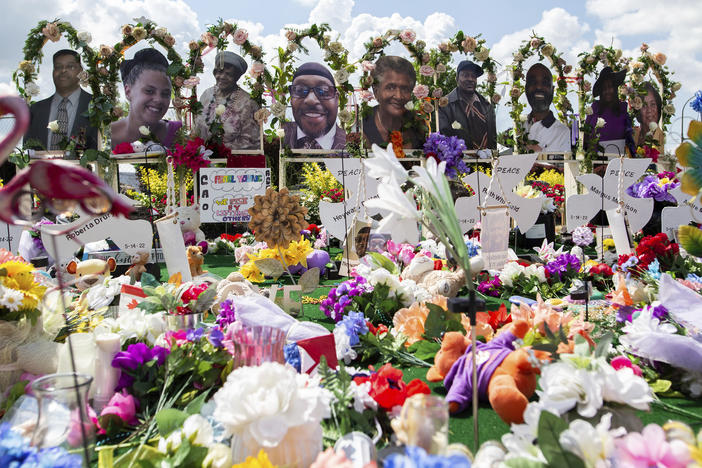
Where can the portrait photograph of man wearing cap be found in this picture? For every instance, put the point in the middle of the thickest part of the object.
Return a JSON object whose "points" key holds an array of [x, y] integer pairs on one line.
{"points": [[617, 133], [315, 104], [549, 133], [66, 106], [241, 130], [393, 81], [469, 115]]}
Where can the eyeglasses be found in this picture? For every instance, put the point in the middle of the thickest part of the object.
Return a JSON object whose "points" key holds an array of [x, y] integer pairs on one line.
{"points": [[323, 93], [31, 206]]}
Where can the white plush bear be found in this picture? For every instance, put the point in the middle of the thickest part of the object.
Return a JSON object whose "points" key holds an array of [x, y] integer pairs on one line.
{"points": [[189, 219]]}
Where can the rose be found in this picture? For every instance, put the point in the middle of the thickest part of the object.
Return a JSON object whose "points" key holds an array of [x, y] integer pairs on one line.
{"points": [[290, 35], [425, 58], [256, 52], [676, 86], [193, 45], [105, 89], [117, 112], [280, 133], [420, 44], [427, 107], [491, 77], [669, 109], [144, 130], [469, 44], [198, 430], [636, 65], [523, 118], [169, 40], [567, 69], [547, 50], [218, 456], [53, 126], [178, 102], [587, 86], [535, 42], [52, 32], [159, 32], [443, 101], [443, 47], [106, 50], [257, 69], [122, 405], [208, 38], [219, 110], [496, 98], [26, 66], [637, 102], [408, 36], [191, 82], [588, 110], [441, 68], [644, 47], [344, 116], [518, 57], [600, 122], [378, 42], [84, 36], [127, 30], [482, 54], [515, 92], [437, 93], [367, 66], [366, 95], [652, 126], [261, 115], [278, 109], [336, 47], [292, 47], [178, 81], [426, 70], [31, 89], [659, 58], [341, 76], [139, 33], [240, 36], [456, 125], [421, 91], [590, 59], [83, 77], [103, 71]]}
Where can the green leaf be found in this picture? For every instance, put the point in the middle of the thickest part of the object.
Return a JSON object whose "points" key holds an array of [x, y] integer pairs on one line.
{"points": [[205, 299], [523, 463], [550, 428], [691, 240], [603, 345], [170, 419], [424, 349], [660, 385], [383, 262], [147, 279]]}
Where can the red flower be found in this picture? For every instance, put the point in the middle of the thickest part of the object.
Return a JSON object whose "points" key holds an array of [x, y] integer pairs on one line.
{"points": [[314, 229], [388, 389], [438, 265], [193, 292], [123, 148], [496, 318]]}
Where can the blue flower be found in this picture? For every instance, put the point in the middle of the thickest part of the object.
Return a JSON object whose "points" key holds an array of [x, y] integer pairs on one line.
{"points": [[416, 457], [292, 356], [216, 336], [694, 278], [194, 335], [14, 449], [654, 269], [472, 248], [54, 457], [696, 104], [355, 325]]}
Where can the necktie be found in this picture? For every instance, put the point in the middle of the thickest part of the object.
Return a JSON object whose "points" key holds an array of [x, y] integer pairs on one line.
{"points": [[307, 142], [62, 120]]}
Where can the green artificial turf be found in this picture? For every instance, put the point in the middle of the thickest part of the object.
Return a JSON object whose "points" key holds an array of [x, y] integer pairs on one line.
{"points": [[490, 427]]}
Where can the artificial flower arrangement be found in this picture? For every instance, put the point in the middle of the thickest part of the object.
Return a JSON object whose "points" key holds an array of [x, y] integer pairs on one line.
{"points": [[319, 185], [226, 244], [532, 191], [20, 293], [651, 249], [655, 186], [175, 298], [447, 149], [296, 258]]}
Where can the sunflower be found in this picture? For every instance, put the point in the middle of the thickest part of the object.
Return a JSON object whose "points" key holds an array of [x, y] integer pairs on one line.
{"points": [[277, 218]]}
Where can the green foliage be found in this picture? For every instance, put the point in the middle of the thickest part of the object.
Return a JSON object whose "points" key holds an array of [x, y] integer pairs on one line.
{"points": [[440, 321], [316, 182], [424, 349], [691, 240], [550, 428]]}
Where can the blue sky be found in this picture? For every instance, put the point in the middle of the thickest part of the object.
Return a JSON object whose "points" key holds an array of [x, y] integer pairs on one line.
{"points": [[673, 27]]}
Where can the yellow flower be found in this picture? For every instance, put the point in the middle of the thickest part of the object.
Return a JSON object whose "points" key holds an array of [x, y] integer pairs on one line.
{"points": [[663, 181], [608, 243], [261, 461], [20, 276], [251, 272], [297, 252]]}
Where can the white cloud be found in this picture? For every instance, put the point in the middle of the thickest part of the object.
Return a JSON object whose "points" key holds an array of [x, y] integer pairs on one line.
{"points": [[336, 13]]}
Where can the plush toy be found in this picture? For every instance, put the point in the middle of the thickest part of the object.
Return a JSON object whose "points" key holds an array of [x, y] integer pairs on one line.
{"points": [[444, 282], [189, 220], [506, 377], [138, 267], [233, 285], [90, 272], [195, 260], [453, 345]]}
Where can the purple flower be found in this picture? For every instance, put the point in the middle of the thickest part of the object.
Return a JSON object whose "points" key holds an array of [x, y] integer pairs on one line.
{"points": [[491, 287], [649, 188], [625, 313], [564, 264], [449, 149], [216, 336], [659, 312], [226, 314], [292, 356], [194, 335], [355, 325], [134, 357], [341, 297]]}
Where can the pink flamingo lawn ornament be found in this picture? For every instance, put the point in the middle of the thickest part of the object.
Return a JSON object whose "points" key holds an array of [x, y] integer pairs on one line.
{"points": [[60, 186]]}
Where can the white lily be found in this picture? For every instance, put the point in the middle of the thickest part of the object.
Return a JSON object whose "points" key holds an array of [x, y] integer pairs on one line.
{"points": [[430, 178], [392, 198], [384, 164]]}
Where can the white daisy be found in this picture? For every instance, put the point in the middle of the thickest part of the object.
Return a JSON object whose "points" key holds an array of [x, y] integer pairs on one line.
{"points": [[11, 299]]}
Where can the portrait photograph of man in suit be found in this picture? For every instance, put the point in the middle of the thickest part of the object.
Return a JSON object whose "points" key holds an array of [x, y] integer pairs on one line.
{"points": [[67, 106]]}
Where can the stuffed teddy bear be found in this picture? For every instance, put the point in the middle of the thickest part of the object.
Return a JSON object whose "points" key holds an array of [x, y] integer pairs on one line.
{"points": [[90, 272], [189, 220], [195, 260], [506, 377], [444, 282], [453, 345], [138, 266]]}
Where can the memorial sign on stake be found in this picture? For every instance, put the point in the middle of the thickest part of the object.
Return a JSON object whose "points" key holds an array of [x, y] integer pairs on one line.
{"points": [[688, 210], [510, 171], [10, 237], [173, 247], [130, 235], [603, 193], [226, 194], [356, 191], [494, 237], [620, 234]]}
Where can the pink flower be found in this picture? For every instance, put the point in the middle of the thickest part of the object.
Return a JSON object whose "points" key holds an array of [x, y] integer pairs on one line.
{"points": [[407, 36], [421, 91], [256, 69], [75, 434], [406, 254], [366, 95], [290, 35], [649, 448], [426, 70], [367, 66], [209, 39], [393, 247], [124, 406], [240, 36], [621, 362], [176, 337]]}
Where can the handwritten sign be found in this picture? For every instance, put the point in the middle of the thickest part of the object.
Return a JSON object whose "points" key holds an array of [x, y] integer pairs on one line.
{"points": [[603, 193], [226, 194], [131, 236], [10, 237], [688, 210], [510, 171], [336, 217]]}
